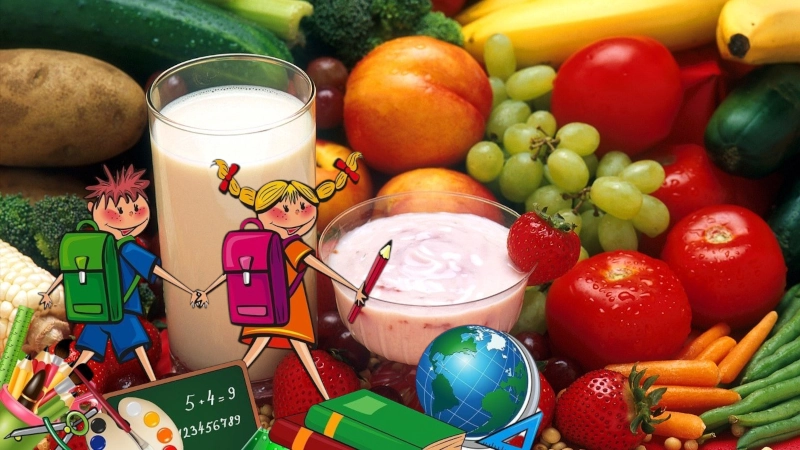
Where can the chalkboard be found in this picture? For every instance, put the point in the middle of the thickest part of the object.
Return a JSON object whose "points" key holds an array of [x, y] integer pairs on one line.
{"points": [[212, 408]]}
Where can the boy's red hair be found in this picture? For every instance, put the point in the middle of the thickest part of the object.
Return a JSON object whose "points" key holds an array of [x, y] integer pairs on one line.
{"points": [[128, 183]]}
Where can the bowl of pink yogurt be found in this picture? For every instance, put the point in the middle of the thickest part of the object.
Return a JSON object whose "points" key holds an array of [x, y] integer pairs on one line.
{"points": [[448, 266]]}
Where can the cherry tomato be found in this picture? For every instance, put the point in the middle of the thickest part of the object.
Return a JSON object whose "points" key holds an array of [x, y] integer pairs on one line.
{"points": [[730, 264], [617, 307], [629, 88]]}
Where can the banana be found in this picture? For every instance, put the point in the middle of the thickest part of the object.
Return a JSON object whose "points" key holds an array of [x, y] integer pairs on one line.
{"points": [[484, 8], [549, 31], [760, 31]]}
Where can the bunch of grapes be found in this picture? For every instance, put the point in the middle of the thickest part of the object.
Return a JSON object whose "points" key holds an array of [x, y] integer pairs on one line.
{"points": [[531, 163]]}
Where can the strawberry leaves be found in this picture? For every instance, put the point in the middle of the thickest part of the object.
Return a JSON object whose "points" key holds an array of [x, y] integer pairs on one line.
{"points": [[646, 404]]}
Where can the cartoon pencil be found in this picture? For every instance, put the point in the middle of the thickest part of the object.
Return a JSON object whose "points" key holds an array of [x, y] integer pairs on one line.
{"points": [[372, 277]]}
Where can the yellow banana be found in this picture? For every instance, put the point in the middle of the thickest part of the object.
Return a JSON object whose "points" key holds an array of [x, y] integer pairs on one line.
{"points": [[549, 31], [760, 31], [484, 8]]}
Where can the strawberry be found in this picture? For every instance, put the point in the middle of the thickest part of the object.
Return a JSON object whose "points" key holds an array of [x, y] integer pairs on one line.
{"points": [[546, 245], [547, 403], [604, 410], [75, 443], [294, 392]]}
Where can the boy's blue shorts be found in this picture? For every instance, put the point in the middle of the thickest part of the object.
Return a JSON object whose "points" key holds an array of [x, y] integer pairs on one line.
{"points": [[125, 336]]}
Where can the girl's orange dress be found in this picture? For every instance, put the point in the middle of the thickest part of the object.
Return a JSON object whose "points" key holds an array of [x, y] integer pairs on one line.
{"points": [[299, 326]]}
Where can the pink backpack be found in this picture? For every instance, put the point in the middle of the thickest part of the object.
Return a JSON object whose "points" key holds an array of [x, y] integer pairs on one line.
{"points": [[255, 269]]}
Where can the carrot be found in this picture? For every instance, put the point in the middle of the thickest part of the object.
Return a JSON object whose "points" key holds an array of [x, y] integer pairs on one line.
{"points": [[690, 372], [698, 344], [680, 425], [718, 349], [695, 399], [737, 358]]}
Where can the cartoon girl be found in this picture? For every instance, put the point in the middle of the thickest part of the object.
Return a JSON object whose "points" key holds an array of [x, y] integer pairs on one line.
{"points": [[290, 209]]}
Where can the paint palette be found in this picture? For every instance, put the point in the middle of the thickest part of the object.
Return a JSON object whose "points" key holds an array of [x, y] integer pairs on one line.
{"points": [[149, 422]]}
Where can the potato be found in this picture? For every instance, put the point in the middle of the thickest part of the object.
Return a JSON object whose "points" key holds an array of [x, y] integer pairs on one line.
{"points": [[34, 184], [65, 109]]}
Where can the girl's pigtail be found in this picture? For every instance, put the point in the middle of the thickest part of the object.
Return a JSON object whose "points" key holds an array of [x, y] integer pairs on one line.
{"points": [[229, 184], [347, 170]]}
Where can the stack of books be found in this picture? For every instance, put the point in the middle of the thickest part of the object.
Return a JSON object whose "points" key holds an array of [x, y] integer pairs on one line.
{"points": [[363, 420]]}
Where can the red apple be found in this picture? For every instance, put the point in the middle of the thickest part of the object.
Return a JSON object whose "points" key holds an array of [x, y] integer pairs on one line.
{"points": [[352, 193]]}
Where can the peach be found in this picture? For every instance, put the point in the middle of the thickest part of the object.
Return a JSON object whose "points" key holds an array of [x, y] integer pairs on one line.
{"points": [[416, 102]]}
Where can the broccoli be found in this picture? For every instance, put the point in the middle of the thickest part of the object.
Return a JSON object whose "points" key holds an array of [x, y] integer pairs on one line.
{"points": [[15, 224], [354, 27], [52, 218]]}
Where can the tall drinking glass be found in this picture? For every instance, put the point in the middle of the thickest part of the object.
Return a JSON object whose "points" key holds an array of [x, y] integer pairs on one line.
{"points": [[253, 111]]}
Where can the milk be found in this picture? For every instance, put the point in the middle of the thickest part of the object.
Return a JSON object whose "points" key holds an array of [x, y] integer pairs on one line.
{"points": [[445, 270], [194, 216]]}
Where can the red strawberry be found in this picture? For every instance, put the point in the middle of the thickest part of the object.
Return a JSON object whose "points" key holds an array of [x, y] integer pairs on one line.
{"points": [[547, 403], [294, 392], [547, 245], [75, 443], [599, 411]]}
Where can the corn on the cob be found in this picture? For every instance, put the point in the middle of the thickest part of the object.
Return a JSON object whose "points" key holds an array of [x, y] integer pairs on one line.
{"points": [[21, 280]]}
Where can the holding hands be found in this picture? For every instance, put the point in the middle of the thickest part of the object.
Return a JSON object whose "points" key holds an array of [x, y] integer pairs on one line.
{"points": [[199, 299]]}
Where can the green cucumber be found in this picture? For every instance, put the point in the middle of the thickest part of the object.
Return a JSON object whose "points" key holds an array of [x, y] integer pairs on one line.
{"points": [[784, 221], [138, 36], [756, 128]]}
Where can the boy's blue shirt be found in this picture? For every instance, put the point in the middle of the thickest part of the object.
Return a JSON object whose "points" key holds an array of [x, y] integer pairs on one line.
{"points": [[135, 259]]}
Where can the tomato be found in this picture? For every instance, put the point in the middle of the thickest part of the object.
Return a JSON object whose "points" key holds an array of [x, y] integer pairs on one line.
{"points": [[617, 307], [730, 264], [629, 88]]}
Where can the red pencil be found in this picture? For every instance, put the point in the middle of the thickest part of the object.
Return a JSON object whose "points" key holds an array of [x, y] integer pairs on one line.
{"points": [[372, 277]]}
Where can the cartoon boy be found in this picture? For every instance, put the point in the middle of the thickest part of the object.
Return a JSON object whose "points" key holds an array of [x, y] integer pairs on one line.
{"points": [[119, 206]]}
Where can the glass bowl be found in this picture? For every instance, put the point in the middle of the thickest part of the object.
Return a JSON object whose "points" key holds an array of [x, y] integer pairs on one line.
{"points": [[401, 325]]}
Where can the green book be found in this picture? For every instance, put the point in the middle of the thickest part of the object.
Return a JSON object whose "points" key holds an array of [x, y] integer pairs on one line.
{"points": [[366, 421]]}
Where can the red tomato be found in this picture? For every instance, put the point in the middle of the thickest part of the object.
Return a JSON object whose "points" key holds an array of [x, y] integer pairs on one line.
{"points": [[629, 88], [730, 264], [617, 307]]}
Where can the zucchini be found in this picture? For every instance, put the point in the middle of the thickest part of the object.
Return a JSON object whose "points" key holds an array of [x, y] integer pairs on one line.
{"points": [[138, 36], [756, 128], [785, 223]]}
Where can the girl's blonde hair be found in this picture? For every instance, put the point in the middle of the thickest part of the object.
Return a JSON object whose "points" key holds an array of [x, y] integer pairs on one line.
{"points": [[279, 190]]}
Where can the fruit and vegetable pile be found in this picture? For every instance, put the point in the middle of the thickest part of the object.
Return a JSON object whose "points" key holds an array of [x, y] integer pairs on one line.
{"points": [[651, 149]]}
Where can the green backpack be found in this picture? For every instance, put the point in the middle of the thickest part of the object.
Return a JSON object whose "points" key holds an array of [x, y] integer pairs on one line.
{"points": [[92, 277]]}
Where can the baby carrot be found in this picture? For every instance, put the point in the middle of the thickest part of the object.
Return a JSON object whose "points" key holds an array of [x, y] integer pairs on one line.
{"points": [[702, 341], [695, 399], [690, 372], [680, 425], [718, 349], [739, 355]]}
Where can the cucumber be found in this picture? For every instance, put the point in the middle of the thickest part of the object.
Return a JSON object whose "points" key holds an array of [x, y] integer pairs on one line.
{"points": [[785, 223], [756, 128], [138, 36]]}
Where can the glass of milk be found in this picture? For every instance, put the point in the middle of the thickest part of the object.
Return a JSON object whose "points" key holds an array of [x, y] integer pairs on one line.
{"points": [[253, 111], [448, 266]]}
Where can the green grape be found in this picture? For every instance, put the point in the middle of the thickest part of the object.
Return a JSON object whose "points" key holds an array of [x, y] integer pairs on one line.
{"points": [[550, 197], [591, 162], [531, 82], [544, 120], [579, 137], [588, 234], [520, 176], [647, 175], [531, 317], [616, 197], [498, 91], [507, 113], [583, 254], [494, 186], [547, 175], [585, 205], [499, 56], [653, 217], [567, 170], [570, 217], [485, 161], [517, 138], [543, 102], [617, 234], [612, 163]]}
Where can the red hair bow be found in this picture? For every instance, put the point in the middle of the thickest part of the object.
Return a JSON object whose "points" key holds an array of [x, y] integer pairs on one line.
{"points": [[341, 165], [223, 187]]}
